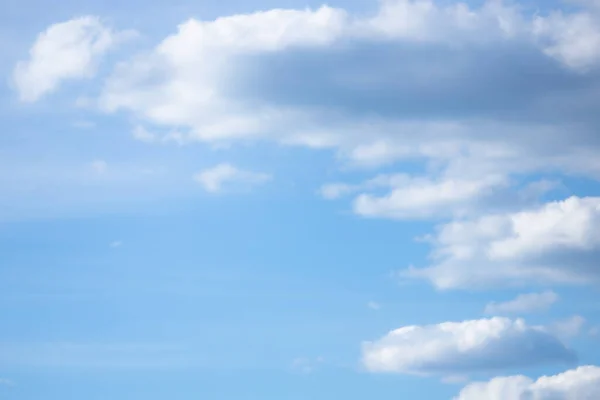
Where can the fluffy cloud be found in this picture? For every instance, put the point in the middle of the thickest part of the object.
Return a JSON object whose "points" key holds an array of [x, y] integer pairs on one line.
{"points": [[523, 303], [66, 50], [224, 176], [471, 90], [582, 383], [558, 242], [462, 347]]}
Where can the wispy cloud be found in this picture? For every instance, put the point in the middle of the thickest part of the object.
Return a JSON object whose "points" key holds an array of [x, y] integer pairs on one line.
{"points": [[226, 177], [523, 303]]}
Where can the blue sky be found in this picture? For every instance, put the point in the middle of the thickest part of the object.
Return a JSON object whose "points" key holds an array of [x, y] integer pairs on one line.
{"points": [[293, 200]]}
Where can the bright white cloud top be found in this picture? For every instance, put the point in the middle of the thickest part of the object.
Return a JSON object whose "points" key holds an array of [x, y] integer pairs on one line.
{"points": [[582, 383], [461, 347]]}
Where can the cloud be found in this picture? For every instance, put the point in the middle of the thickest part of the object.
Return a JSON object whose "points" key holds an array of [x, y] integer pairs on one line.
{"points": [[68, 50], [555, 243], [116, 243], [217, 178], [6, 382], [569, 327], [401, 196], [574, 39], [373, 305], [582, 383], [452, 348], [143, 135], [523, 303], [99, 166], [469, 90], [140, 133]]}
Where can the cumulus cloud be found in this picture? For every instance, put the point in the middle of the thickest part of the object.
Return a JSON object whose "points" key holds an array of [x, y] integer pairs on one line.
{"points": [[523, 303], [453, 348], [557, 242], [413, 81], [65, 51], [226, 176], [582, 383]]}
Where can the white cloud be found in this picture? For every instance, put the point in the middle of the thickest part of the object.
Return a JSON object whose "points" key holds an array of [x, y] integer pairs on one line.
{"points": [[222, 176], [418, 197], [214, 81], [582, 383], [424, 198], [195, 63], [523, 303], [401, 196], [65, 51], [558, 242], [573, 39], [453, 348], [307, 365], [116, 243], [373, 305]]}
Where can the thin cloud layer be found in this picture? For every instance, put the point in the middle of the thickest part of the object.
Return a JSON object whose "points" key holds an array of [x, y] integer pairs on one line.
{"points": [[556, 243], [453, 348], [228, 177], [582, 383], [523, 303]]}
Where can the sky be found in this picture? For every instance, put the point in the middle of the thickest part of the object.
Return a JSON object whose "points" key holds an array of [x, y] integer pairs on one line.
{"points": [[269, 200]]}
